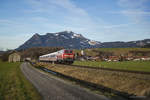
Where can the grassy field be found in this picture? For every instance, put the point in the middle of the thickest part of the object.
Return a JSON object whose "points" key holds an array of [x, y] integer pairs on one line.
{"points": [[13, 85], [125, 65]]}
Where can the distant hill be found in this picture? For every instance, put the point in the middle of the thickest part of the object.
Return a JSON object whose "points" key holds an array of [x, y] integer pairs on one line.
{"points": [[69, 39], [121, 44]]}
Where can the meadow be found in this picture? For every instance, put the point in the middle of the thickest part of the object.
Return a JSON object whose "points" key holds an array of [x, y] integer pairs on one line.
{"points": [[13, 84], [124, 65]]}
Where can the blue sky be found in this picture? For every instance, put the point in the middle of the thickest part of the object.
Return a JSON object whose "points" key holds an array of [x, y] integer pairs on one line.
{"points": [[100, 20]]}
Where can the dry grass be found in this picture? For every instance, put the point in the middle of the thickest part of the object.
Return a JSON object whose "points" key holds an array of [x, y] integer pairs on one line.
{"points": [[126, 82]]}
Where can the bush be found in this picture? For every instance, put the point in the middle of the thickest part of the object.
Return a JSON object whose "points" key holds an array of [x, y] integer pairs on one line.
{"points": [[4, 56], [35, 52]]}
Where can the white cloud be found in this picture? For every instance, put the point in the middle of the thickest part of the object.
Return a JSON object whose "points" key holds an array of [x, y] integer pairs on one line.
{"points": [[132, 12], [52, 6], [132, 4], [67, 15], [67, 4], [118, 25], [136, 10]]}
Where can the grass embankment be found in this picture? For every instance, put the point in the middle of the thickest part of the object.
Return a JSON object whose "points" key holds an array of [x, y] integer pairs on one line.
{"points": [[125, 82], [13, 85], [125, 65]]}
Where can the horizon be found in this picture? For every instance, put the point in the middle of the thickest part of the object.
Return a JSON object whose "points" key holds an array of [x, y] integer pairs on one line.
{"points": [[99, 20]]}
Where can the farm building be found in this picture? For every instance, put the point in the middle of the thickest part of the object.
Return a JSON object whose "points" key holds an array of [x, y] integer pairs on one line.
{"points": [[14, 57]]}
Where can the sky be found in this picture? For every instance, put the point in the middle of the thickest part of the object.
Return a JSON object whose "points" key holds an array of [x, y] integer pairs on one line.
{"points": [[100, 20]]}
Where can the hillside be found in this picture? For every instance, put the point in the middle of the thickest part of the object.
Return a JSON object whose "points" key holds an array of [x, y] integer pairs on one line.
{"points": [[61, 39]]}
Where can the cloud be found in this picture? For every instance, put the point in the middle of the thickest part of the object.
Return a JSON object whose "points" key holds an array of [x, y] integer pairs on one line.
{"points": [[63, 7], [72, 18], [118, 25], [136, 10], [52, 6], [67, 15], [132, 12], [132, 4]]}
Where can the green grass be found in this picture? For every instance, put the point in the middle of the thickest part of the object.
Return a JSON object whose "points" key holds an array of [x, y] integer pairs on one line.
{"points": [[13, 84], [125, 65]]}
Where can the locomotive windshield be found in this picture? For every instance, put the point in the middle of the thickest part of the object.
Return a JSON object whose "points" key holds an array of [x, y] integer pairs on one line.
{"points": [[68, 51]]}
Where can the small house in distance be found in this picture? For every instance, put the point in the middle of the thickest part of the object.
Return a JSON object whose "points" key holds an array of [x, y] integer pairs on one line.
{"points": [[14, 57]]}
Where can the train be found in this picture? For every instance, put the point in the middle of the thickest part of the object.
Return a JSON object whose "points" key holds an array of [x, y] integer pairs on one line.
{"points": [[65, 56]]}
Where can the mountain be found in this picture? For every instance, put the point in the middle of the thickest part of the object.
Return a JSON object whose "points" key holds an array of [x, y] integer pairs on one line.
{"points": [[71, 40], [66, 39]]}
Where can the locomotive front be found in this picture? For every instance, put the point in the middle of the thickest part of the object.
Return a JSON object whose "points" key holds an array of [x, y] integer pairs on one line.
{"points": [[68, 56]]}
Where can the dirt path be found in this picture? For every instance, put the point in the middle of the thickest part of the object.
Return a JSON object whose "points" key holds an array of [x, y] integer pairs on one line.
{"points": [[52, 88]]}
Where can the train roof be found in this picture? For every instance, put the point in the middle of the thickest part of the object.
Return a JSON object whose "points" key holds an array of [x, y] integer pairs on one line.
{"points": [[49, 54], [54, 53]]}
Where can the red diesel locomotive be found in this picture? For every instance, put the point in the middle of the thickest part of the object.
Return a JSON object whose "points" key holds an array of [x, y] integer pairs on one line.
{"points": [[62, 56]]}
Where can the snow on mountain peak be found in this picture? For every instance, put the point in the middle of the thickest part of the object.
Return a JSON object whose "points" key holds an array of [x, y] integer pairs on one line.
{"points": [[64, 36], [56, 34], [77, 35], [93, 42]]}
